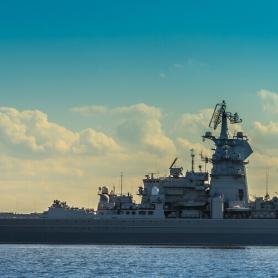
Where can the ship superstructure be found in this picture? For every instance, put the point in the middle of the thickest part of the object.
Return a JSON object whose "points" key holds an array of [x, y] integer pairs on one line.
{"points": [[197, 194], [176, 196], [228, 175]]}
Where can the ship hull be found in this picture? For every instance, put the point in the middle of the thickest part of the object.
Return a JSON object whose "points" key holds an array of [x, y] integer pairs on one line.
{"points": [[141, 232]]}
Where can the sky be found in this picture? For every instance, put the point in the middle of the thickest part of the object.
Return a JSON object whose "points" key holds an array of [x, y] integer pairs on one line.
{"points": [[89, 89]]}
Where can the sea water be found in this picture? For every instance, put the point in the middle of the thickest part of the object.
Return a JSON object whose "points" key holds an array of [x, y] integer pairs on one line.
{"points": [[131, 261]]}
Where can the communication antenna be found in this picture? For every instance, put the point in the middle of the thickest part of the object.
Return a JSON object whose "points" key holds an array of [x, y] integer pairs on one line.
{"points": [[267, 197], [205, 159], [122, 175], [192, 160]]}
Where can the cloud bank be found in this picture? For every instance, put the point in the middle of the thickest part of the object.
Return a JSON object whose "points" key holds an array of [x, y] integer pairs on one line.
{"points": [[30, 133], [43, 160], [269, 100]]}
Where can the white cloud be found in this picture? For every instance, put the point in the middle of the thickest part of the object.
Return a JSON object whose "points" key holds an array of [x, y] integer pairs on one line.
{"points": [[140, 108], [270, 128], [30, 133], [265, 136], [200, 118], [269, 100], [193, 125], [89, 110], [138, 125], [96, 142], [141, 126]]}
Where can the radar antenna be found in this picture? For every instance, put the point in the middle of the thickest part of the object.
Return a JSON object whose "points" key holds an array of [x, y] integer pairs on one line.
{"points": [[220, 112], [221, 116], [216, 118]]}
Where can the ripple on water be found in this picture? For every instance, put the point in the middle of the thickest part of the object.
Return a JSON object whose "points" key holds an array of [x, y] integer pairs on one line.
{"points": [[126, 261]]}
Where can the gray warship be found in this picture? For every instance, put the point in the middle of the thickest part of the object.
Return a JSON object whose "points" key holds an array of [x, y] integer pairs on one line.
{"points": [[192, 208]]}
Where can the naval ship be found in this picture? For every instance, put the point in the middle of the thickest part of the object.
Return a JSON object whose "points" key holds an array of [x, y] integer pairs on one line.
{"points": [[202, 208]]}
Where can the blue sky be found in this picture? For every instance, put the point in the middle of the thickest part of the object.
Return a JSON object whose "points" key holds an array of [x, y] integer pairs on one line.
{"points": [[176, 57], [56, 54]]}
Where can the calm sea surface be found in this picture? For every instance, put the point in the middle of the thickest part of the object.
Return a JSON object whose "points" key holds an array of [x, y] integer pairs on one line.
{"points": [[110, 261]]}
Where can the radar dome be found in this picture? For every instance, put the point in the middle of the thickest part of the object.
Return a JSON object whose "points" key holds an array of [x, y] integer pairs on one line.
{"points": [[155, 191]]}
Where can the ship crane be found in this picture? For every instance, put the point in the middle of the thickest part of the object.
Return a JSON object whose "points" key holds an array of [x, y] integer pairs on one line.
{"points": [[173, 164], [175, 171]]}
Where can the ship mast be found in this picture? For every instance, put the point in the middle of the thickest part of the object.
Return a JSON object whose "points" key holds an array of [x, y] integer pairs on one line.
{"points": [[228, 175], [192, 160], [267, 197], [122, 183], [220, 115]]}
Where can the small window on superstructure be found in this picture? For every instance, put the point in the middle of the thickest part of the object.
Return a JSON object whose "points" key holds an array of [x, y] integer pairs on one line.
{"points": [[127, 212], [150, 212], [133, 212], [142, 212]]}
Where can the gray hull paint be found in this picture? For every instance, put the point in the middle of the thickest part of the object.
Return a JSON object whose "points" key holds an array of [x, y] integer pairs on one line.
{"points": [[166, 232]]}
